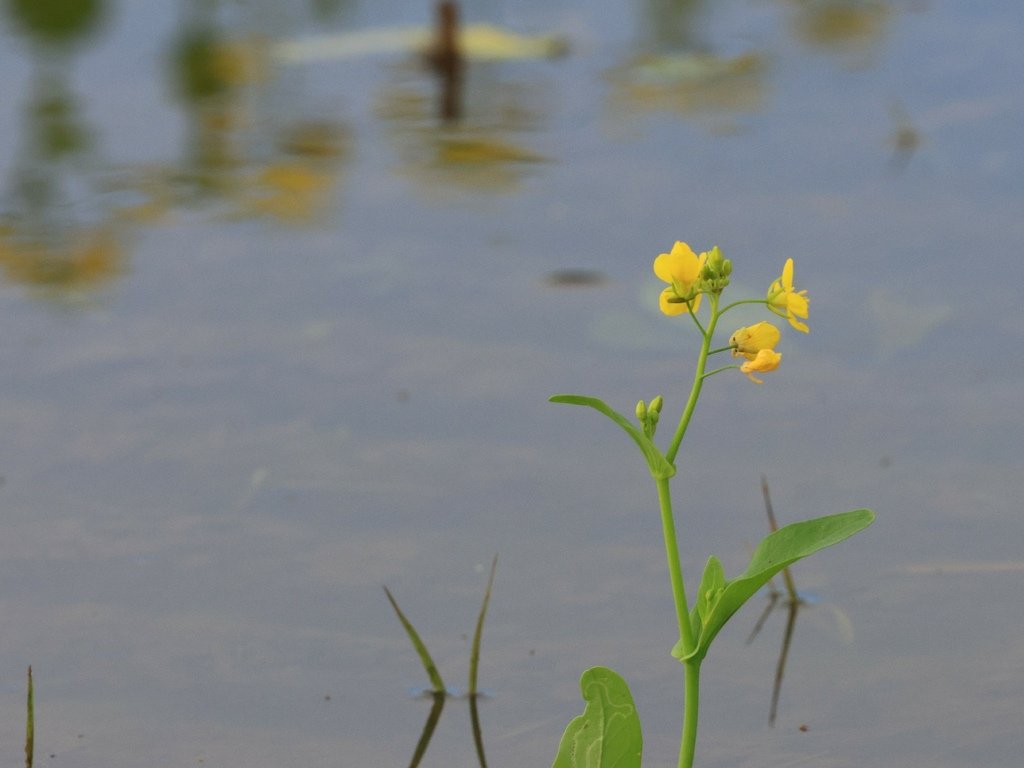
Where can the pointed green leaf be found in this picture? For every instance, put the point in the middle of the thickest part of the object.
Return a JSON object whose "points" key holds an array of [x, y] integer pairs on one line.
{"points": [[659, 466], [607, 734], [414, 637], [781, 548]]}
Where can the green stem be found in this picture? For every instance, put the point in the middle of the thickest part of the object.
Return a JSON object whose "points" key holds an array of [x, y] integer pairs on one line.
{"points": [[743, 301], [675, 570], [698, 382], [688, 743], [709, 374]]}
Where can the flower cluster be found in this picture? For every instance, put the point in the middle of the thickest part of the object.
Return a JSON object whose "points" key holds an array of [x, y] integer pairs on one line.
{"points": [[690, 276]]}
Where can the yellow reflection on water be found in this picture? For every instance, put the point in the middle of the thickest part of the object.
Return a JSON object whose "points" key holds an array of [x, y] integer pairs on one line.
{"points": [[80, 259], [55, 235], [244, 154], [840, 25], [486, 150], [688, 84]]}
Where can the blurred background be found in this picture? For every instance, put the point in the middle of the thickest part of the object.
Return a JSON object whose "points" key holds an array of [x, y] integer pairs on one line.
{"points": [[283, 298]]}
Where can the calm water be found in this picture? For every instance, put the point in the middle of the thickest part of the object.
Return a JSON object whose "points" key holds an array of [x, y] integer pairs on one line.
{"points": [[275, 336]]}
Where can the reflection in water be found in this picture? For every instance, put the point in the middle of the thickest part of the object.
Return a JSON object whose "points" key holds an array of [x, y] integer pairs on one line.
{"points": [[575, 278], [905, 138], [480, 152], [689, 84], [57, 23], [438, 693], [448, 62], [840, 26], [56, 234], [241, 157], [674, 71], [221, 81], [667, 25], [793, 602], [473, 142]]}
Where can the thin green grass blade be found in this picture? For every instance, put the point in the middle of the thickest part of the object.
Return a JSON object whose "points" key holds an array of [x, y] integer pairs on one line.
{"points": [[474, 656], [421, 649], [474, 661], [30, 725]]}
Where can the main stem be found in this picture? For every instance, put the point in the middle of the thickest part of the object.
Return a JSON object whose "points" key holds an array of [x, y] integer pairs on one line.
{"points": [[698, 382], [691, 703], [675, 570], [688, 742]]}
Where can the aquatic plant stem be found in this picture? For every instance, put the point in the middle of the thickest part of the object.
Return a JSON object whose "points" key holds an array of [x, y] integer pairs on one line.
{"points": [[688, 742], [675, 569], [698, 382]]}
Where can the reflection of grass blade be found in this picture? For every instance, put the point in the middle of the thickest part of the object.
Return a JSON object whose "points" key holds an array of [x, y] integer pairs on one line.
{"points": [[428, 729], [30, 725], [478, 736], [474, 660], [421, 649], [780, 668], [787, 577], [773, 598]]}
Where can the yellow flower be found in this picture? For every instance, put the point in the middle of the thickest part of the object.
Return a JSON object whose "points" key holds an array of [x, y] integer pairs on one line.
{"points": [[747, 342], [763, 361], [787, 303], [681, 270]]}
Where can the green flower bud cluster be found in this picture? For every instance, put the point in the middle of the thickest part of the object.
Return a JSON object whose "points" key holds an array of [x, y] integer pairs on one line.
{"points": [[714, 275], [648, 414]]}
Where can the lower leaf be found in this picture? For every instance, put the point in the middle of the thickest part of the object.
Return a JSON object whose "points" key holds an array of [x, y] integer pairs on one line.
{"points": [[607, 734]]}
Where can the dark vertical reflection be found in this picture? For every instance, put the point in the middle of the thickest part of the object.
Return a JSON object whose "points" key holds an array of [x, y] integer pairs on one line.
{"points": [[447, 62], [428, 728], [790, 600], [668, 25]]}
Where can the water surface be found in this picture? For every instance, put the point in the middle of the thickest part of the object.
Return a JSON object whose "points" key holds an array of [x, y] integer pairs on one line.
{"points": [[278, 334]]}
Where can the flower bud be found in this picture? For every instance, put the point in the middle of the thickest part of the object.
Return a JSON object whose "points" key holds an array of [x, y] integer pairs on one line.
{"points": [[656, 404], [641, 412]]}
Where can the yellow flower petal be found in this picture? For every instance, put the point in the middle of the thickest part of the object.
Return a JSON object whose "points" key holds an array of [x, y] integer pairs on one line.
{"points": [[681, 265], [751, 340], [787, 303], [670, 308], [765, 360], [787, 275], [676, 307]]}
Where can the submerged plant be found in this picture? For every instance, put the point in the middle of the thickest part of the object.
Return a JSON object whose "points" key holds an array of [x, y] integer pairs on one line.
{"points": [[608, 732]]}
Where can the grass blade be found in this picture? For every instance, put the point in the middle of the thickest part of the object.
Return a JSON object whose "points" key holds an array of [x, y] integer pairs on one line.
{"points": [[474, 661], [421, 649], [474, 657]]}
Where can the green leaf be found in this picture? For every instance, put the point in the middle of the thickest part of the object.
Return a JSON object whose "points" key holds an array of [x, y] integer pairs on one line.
{"points": [[719, 599], [414, 637], [607, 734], [659, 466]]}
